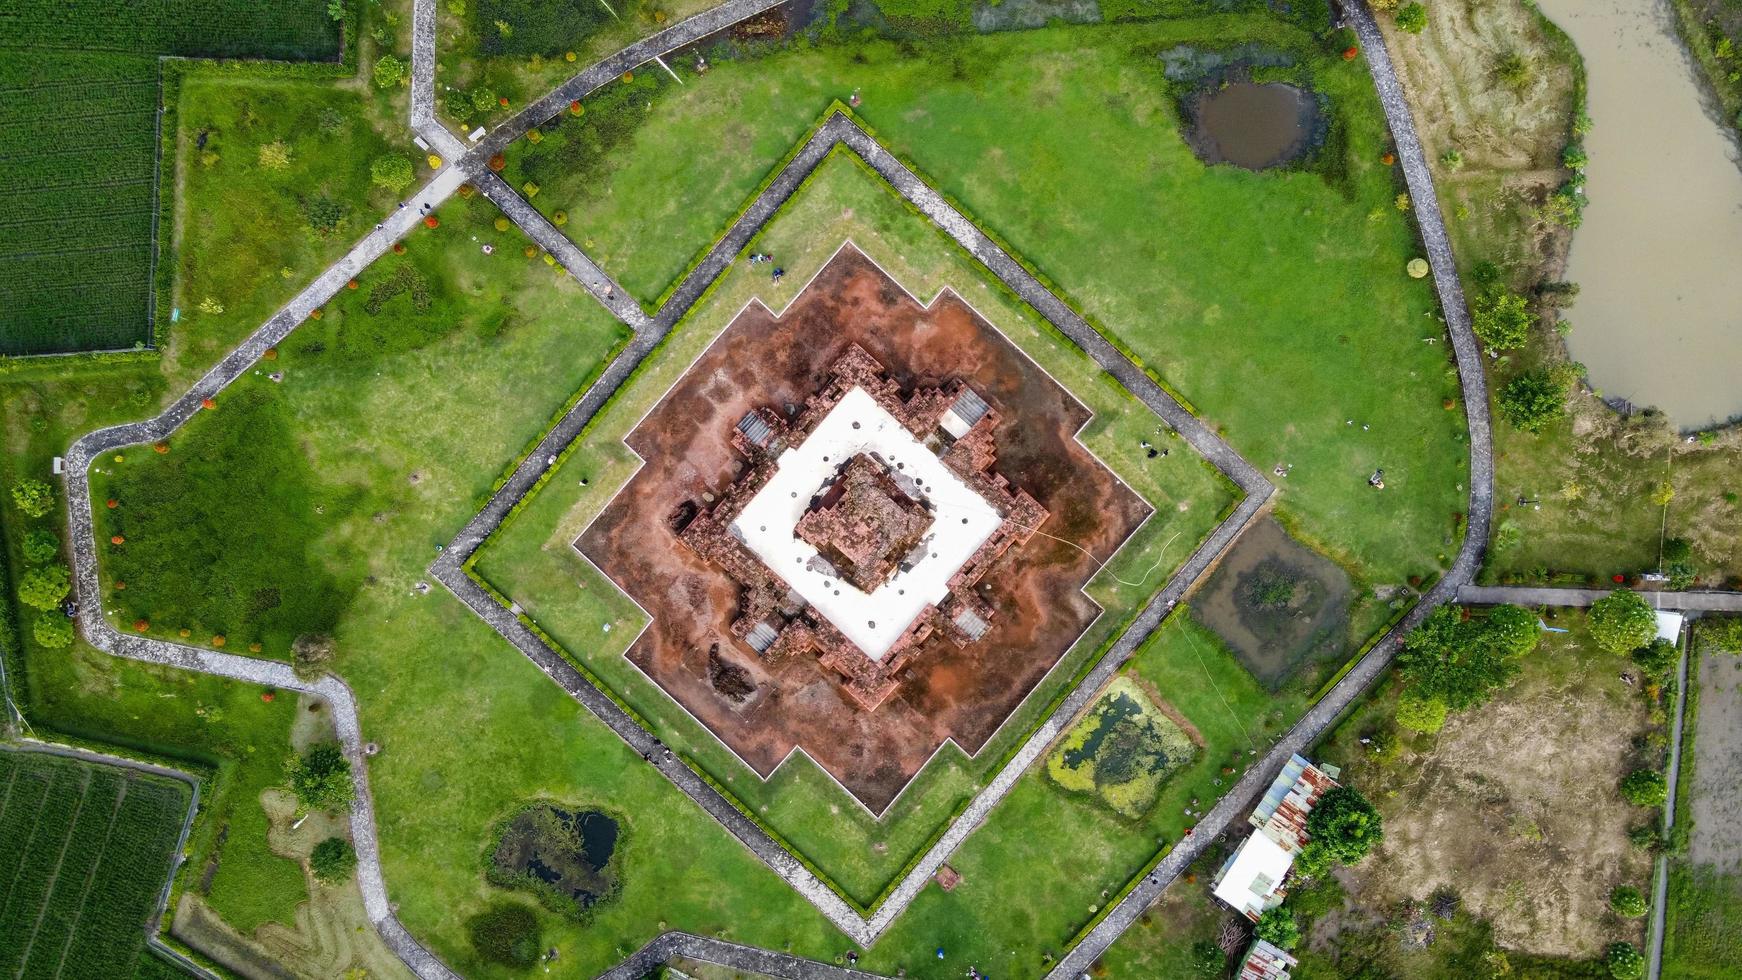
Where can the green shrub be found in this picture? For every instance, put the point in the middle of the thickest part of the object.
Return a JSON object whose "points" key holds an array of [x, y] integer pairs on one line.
{"points": [[1421, 713], [1626, 900], [390, 71], [45, 587], [392, 171], [506, 932], [1657, 658], [1625, 962], [34, 497], [1502, 321], [53, 631], [1622, 622], [1533, 400], [1412, 17], [1345, 825], [333, 860], [1720, 633], [1278, 928], [41, 546], [1645, 787]]}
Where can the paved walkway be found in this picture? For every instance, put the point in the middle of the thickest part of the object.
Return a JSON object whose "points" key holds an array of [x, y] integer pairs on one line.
{"points": [[1532, 596]]}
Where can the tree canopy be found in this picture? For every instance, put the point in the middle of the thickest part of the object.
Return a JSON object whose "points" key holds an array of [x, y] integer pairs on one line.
{"points": [[392, 171], [1278, 928], [53, 631], [1625, 962], [333, 860], [45, 587], [1461, 662], [1344, 826], [1502, 321], [1412, 17], [1421, 712], [1626, 900], [41, 546], [1645, 787], [1622, 621], [34, 497], [321, 779], [1533, 400]]}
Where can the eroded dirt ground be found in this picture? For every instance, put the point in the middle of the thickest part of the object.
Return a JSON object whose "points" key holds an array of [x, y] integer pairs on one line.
{"points": [[1515, 808], [761, 360], [1716, 839]]}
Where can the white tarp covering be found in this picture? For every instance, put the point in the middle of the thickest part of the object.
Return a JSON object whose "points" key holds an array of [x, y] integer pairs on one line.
{"points": [[1669, 626], [963, 521]]}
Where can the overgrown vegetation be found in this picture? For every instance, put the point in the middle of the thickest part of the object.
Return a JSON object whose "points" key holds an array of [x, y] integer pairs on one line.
{"points": [[1122, 751]]}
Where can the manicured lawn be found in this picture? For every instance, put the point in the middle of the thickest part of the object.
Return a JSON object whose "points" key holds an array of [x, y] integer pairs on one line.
{"points": [[533, 562], [1275, 301], [85, 849]]}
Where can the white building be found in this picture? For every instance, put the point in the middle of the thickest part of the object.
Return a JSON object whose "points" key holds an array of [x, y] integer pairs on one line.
{"points": [[1250, 881]]}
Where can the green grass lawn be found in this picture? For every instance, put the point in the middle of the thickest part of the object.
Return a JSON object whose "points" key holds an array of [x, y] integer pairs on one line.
{"points": [[86, 849], [1275, 301], [1048, 860], [533, 562], [1704, 914]]}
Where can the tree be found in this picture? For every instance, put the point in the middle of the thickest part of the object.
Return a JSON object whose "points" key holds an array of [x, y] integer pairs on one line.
{"points": [[34, 497], [53, 631], [44, 587], [1657, 657], [1625, 962], [1533, 400], [1622, 622], [1513, 629], [325, 215], [1412, 17], [1345, 825], [392, 171], [333, 860], [1278, 928], [1626, 900], [1645, 787], [1502, 321], [1455, 661], [1421, 712], [41, 546], [321, 779], [390, 71]]}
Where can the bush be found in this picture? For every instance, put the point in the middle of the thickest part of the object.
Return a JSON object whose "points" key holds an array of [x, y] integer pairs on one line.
{"points": [[53, 631], [1412, 17], [1626, 900], [1622, 622], [392, 171], [1720, 633], [1533, 400], [1460, 662], [1278, 928], [44, 588], [1503, 321], [41, 546], [1625, 962], [1657, 658], [34, 497], [1344, 825], [321, 779], [390, 71], [1421, 713], [506, 932], [333, 860], [1645, 787], [1513, 629]]}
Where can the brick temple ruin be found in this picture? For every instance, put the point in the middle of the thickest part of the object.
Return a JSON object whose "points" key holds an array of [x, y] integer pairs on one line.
{"points": [[877, 531]]}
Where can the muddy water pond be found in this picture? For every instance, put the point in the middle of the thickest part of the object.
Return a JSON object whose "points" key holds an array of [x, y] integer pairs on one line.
{"points": [[560, 853], [1656, 322], [1253, 125], [1281, 607]]}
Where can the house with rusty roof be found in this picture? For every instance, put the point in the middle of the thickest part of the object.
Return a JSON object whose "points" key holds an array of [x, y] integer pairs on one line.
{"points": [[1265, 962], [1251, 880]]}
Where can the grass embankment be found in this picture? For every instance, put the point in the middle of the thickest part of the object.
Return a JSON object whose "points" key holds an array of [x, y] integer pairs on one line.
{"points": [[84, 849], [1274, 301], [532, 560]]}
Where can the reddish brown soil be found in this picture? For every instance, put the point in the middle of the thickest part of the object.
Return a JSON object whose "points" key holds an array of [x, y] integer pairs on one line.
{"points": [[955, 693]]}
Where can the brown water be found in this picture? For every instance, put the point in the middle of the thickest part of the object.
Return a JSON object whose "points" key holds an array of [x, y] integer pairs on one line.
{"points": [[1253, 126], [1660, 251]]}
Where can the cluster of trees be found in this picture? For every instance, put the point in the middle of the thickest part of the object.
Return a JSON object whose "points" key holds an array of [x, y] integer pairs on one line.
{"points": [[463, 104], [47, 583], [1342, 828], [1453, 664]]}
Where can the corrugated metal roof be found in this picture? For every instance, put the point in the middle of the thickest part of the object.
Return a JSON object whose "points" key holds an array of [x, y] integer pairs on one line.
{"points": [[1266, 962], [755, 428], [969, 622], [970, 406], [761, 637]]}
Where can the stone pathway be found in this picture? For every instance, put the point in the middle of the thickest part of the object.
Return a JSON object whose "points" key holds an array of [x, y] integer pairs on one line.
{"points": [[460, 165], [1533, 596]]}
